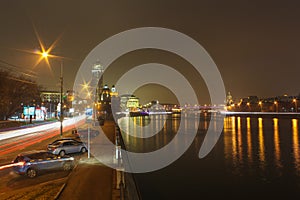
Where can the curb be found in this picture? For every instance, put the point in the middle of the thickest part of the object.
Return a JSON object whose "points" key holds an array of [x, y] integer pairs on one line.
{"points": [[64, 185], [60, 191]]}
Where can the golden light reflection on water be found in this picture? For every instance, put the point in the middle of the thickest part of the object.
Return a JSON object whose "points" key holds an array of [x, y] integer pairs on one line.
{"points": [[239, 141], [234, 145], [261, 143], [296, 144], [276, 143], [205, 121], [227, 138], [215, 121], [249, 140], [266, 147], [175, 124]]}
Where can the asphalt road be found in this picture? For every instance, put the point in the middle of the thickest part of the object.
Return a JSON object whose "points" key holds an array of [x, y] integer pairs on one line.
{"points": [[10, 148], [88, 180]]}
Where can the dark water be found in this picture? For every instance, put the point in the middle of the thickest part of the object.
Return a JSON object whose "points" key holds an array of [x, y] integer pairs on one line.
{"points": [[254, 158]]}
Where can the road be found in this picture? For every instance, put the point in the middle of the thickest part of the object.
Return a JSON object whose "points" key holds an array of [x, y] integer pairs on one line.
{"points": [[90, 179], [31, 139]]}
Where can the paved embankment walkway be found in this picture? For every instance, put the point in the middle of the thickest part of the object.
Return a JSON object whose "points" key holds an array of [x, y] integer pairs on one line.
{"points": [[90, 179]]}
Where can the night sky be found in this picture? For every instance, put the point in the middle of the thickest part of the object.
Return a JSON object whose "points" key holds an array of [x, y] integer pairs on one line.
{"points": [[255, 44]]}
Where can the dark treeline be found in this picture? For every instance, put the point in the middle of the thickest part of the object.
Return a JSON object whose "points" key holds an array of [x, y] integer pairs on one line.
{"points": [[16, 91]]}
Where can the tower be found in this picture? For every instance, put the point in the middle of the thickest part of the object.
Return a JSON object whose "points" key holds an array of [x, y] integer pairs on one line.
{"points": [[97, 80], [229, 99]]}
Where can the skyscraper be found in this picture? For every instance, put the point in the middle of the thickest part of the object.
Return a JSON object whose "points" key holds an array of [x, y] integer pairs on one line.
{"points": [[97, 80]]}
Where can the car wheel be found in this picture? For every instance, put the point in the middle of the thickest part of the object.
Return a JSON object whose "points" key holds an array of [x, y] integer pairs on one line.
{"points": [[67, 166], [83, 150], [31, 173], [62, 153]]}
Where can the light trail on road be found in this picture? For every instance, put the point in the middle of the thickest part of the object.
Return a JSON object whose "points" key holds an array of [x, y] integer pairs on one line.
{"points": [[20, 132], [11, 165], [30, 136]]}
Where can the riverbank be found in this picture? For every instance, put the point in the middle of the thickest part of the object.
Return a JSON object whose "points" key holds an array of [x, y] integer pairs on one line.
{"points": [[291, 115]]}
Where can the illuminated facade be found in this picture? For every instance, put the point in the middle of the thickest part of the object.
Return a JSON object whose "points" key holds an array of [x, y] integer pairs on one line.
{"points": [[50, 96], [133, 103], [97, 80]]}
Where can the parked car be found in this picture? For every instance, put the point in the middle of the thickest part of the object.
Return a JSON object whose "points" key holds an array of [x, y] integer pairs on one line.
{"points": [[31, 163], [64, 139], [66, 146]]}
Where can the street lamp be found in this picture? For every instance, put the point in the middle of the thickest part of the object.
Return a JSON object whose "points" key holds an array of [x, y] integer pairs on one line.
{"points": [[248, 104], [276, 104], [295, 101], [45, 55], [260, 105]]}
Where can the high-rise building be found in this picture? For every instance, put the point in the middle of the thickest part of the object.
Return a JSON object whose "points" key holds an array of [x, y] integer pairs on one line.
{"points": [[97, 80]]}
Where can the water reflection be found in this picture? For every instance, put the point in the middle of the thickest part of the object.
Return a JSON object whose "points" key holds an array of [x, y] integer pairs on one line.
{"points": [[239, 141], [234, 145], [276, 143], [266, 146], [227, 137], [296, 144], [249, 141], [261, 152]]}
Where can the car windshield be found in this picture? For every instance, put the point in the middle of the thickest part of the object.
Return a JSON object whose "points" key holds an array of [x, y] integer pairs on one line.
{"points": [[19, 159], [57, 142]]}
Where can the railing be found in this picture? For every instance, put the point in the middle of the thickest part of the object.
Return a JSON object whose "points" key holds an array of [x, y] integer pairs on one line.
{"points": [[129, 189]]}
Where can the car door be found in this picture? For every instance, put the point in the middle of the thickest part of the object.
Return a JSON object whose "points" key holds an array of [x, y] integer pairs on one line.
{"points": [[67, 147], [53, 162], [75, 147], [40, 161]]}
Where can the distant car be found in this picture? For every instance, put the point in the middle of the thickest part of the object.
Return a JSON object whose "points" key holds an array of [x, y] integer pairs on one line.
{"points": [[66, 146], [31, 163], [101, 120]]}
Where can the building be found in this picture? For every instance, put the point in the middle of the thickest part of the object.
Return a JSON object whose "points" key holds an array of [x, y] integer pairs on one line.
{"points": [[97, 80], [50, 96], [229, 99], [133, 103]]}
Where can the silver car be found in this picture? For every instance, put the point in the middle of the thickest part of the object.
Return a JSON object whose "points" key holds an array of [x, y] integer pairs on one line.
{"points": [[65, 146]]}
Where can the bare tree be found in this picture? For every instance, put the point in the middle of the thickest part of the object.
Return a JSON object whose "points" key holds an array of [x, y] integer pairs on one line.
{"points": [[16, 91]]}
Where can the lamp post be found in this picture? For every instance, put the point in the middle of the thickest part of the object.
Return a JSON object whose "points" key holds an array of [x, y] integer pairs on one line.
{"points": [[61, 117], [276, 104], [295, 101], [260, 105], [61, 98]]}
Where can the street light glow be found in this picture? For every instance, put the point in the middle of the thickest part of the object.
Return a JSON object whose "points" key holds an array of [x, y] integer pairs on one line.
{"points": [[45, 54]]}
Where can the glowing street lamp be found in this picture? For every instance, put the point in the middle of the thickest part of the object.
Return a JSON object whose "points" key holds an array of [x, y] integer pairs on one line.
{"points": [[296, 108], [44, 55], [276, 104], [248, 104], [260, 105]]}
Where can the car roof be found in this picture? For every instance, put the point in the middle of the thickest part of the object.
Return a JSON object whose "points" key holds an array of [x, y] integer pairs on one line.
{"points": [[65, 139]]}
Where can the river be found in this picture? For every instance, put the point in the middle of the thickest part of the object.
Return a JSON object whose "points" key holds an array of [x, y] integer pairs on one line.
{"points": [[253, 158]]}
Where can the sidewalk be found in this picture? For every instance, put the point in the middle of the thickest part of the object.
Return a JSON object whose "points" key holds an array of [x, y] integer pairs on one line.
{"points": [[90, 179]]}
